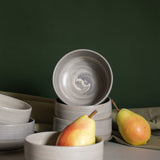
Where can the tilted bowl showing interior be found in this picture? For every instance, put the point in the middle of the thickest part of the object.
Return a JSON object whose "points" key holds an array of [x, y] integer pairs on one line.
{"points": [[13, 136], [82, 77], [41, 146], [13, 110], [103, 126], [71, 112]]}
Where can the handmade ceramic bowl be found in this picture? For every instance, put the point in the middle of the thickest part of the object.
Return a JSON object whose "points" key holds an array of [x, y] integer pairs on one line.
{"points": [[41, 146], [68, 112], [82, 77], [13, 111], [12, 136], [103, 126]]}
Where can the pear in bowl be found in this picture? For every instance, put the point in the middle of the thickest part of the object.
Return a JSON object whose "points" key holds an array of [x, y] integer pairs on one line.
{"points": [[77, 138], [80, 132], [42, 145]]}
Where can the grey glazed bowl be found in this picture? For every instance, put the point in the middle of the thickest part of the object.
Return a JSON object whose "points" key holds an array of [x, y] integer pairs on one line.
{"points": [[103, 126], [41, 146], [13, 136], [13, 111], [70, 112], [82, 77]]}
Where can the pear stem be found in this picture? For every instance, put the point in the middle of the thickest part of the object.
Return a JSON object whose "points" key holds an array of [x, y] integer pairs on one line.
{"points": [[117, 109], [92, 114]]}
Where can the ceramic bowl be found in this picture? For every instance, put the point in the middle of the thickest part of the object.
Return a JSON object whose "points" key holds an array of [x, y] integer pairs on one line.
{"points": [[82, 77], [69, 112], [13, 111], [12, 136], [41, 146], [103, 126]]}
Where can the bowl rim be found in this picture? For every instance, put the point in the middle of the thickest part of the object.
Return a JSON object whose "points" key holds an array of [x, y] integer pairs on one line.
{"points": [[58, 100], [98, 120], [27, 107], [75, 51], [51, 146], [31, 120]]}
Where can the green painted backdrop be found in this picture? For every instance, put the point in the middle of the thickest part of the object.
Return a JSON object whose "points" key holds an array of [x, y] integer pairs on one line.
{"points": [[35, 34]]}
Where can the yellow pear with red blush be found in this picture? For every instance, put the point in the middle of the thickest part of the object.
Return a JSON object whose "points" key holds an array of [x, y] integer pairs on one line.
{"points": [[133, 128], [79, 133]]}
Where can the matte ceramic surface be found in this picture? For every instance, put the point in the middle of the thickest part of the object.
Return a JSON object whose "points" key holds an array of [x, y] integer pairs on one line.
{"points": [[69, 112], [41, 146], [103, 126], [13, 111], [12, 136], [82, 77]]}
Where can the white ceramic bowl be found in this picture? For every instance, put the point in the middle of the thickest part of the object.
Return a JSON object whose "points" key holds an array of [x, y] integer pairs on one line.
{"points": [[12, 136], [82, 77], [103, 126], [13, 111], [69, 112], [41, 146]]}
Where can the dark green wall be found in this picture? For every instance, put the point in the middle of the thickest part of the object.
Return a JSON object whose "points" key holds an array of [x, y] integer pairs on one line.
{"points": [[34, 35]]}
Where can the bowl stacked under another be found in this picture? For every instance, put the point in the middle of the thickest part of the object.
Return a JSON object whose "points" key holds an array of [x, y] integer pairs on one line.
{"points": [[15, 122], [13, 136], [66, 114]]}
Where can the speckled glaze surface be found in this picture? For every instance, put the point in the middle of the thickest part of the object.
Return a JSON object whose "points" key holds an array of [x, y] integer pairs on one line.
{"points": [[12, 136], [13, 111], [82, 77], [69, 112], [41, 146], [103, 126]]}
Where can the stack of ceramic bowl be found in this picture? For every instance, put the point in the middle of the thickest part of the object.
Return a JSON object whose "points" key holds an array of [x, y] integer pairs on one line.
{"points": [[15, 122], [82, 80]]}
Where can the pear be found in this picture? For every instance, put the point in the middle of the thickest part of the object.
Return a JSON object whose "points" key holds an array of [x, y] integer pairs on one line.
{"points": [[133, 128], [79, 133]]}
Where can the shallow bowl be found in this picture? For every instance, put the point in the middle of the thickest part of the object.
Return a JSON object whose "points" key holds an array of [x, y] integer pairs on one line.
{"points": [[69, 112], [41, 146], [13, 136], [103, 126], [82, 77], [14, 111]]}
